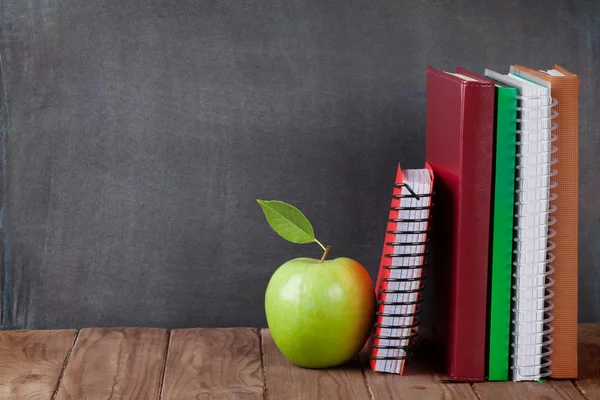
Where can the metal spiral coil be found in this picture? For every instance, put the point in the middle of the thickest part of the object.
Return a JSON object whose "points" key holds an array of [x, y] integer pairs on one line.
{"points": [[405, 330], [532, 326]]}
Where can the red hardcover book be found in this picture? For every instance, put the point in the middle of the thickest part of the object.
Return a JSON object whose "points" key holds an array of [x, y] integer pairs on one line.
{"points": [[460, 128]]}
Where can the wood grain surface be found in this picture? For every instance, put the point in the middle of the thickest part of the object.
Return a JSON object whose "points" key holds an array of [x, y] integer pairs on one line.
{"points": [[550, 390], [233, 363], [420, 381], [115, 364], [213, 364], [589, 360], [286, 381], [31, 362]]}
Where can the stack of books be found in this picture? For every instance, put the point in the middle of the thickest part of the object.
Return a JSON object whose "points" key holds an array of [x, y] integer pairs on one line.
{"points": [[503, 152]]}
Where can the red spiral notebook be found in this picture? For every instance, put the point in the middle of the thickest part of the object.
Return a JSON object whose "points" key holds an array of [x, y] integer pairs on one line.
{"points": [[460, 128], [399, 285]]}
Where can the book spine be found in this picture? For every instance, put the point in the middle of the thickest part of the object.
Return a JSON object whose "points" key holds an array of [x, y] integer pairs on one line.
{"points": [[502, 234], [564, 348], [473, 220]]}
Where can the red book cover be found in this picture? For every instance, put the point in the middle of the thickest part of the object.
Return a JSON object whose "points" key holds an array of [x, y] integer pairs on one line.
{"points": [[459, 148]]}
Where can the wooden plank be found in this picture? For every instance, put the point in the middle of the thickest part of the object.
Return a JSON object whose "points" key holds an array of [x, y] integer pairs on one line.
{"points": [[31, 362], [286, 381], [213, 364], [549, 390], [115, 364], [422, 379], [589, 360]]}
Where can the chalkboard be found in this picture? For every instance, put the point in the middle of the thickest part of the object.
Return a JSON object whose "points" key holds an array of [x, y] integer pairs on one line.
{"points": [[137, 135]]}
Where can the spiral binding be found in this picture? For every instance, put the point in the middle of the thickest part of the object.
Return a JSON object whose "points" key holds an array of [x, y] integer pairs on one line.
{"points": [[536, 341], [411, 319]]}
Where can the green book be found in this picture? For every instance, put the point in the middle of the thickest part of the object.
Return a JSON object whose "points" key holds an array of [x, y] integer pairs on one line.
{"points": [[501, 238]]}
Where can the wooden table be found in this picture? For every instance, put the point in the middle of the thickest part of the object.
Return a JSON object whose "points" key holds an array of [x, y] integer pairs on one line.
{"points": [[235, 363]]}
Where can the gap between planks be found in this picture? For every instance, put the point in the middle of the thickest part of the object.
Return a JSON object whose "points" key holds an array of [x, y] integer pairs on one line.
{"points": [[369, 390], [64, 366], [262, 364], [164, 367]]}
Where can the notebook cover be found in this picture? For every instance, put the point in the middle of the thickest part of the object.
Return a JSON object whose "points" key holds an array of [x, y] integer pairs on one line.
{"points": [[501, 229], [460, 127], [564, 348]]}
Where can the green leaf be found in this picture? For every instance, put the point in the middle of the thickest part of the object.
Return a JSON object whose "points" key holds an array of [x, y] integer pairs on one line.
{"points": [[288, 221]]}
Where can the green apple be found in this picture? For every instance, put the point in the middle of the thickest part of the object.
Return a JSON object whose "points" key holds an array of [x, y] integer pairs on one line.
{"points": [[320, 313]]}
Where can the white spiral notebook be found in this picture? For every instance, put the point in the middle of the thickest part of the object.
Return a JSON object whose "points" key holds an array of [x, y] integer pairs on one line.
{"points": [[531, 305]]}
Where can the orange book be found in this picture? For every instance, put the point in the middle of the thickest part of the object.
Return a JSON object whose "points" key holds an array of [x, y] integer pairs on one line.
{"points": [[564, 87]]}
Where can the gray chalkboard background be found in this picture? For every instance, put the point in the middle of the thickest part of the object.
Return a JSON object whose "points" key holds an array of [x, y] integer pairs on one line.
{"points": [[136, 136]]}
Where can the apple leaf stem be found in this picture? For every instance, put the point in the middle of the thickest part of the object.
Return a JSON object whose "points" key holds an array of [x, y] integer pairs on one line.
{"points": [[327, 250], [320, 244]]}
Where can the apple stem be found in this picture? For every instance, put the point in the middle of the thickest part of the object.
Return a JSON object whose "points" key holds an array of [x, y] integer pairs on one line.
{"points": [[320, 244], [327, 250]]}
